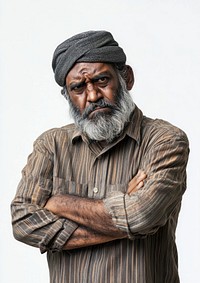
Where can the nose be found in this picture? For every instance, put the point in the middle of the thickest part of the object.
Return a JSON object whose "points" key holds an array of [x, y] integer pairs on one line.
{"points": [[93, 93]]}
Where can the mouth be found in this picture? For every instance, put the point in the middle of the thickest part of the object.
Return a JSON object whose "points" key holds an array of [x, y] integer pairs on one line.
{"points": [[98, 110]]}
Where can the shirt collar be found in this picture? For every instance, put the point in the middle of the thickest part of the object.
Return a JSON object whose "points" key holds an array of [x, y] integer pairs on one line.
{"points": [[77, 135], [133, 128]]}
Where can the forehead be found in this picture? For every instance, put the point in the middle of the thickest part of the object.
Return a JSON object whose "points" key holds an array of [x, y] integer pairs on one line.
{"points": [[83, 69]]}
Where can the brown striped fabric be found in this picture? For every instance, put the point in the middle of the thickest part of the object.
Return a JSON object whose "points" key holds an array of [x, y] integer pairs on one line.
{"points": [[65, 162]]}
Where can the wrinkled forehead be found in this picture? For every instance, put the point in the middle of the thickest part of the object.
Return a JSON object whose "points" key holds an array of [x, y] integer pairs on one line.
{"points": [[85, 69]]}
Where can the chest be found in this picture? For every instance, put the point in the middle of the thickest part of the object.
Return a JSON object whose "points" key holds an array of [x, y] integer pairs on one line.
{"points": [[94, 172]]}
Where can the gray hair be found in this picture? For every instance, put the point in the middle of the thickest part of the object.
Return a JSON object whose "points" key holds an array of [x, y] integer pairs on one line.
{"points": [[105, 127]]}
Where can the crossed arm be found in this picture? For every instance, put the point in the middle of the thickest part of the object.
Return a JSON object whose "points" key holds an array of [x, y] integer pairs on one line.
{"points": [[95, 224]]}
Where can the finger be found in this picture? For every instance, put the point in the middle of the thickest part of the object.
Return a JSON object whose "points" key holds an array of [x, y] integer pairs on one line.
{"points": [[141, 176], [137, 178], [139, 186]]}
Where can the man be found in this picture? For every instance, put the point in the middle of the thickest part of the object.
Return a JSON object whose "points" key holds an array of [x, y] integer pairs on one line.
{"points": [[102, 196]]}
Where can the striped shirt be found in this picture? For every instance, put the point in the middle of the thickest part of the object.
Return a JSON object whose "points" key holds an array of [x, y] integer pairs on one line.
{"points": [[64, 161]]}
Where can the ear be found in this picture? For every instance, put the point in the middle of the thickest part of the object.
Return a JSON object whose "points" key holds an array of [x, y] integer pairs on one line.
{"points": [[129, 77]]}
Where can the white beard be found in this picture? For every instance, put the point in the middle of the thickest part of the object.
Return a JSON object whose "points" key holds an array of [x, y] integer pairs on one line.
{"points": [[106, 126]]}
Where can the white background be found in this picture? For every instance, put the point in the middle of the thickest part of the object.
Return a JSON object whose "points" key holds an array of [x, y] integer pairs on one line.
{"points": [[162, 43]]}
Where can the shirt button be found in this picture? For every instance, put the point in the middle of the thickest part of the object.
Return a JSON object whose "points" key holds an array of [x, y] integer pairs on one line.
{"points": [[95, 190]]}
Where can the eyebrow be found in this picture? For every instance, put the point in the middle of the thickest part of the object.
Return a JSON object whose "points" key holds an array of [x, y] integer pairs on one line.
{"points": [[93, 79], [101, 75], [78, 84]]}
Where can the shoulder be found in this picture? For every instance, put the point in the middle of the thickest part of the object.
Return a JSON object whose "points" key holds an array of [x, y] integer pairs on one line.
{"points": [[54, 138], [62, 132], [158, 131]]}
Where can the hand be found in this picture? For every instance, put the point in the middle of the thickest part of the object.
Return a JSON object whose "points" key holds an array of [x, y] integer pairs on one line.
{"points": [[137, 182], [53, 203]]}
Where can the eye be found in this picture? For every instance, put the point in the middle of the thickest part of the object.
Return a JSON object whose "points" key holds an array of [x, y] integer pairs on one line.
{"points": [[102, 81], [77, 88]]}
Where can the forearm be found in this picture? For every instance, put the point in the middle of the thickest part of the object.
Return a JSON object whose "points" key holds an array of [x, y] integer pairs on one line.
{"points": [[86, 212], [84, 237], [89, 212], [40, 228]]}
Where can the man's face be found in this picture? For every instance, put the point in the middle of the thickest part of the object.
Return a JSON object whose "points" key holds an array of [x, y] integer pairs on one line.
{"points": [[88, 83], [99, 101]]}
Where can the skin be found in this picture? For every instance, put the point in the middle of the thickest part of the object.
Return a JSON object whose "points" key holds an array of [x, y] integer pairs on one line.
{"points": [[95, 224], [87, 83]]}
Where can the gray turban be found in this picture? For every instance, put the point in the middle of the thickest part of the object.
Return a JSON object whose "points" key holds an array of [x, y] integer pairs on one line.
{"points": [[90, 46]]}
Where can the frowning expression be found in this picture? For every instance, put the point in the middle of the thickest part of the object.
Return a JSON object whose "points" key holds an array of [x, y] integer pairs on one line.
{"points": [[89, 83]]}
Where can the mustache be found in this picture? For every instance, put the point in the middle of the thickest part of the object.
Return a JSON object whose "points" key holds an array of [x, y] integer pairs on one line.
{"points": [[99, 104]]}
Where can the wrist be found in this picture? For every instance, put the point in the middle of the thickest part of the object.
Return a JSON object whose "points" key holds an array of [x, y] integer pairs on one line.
{"points": [[54, 204]]}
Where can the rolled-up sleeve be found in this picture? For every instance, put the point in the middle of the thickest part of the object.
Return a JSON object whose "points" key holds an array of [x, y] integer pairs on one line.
{"points": [[32, 223], [150, 207]]}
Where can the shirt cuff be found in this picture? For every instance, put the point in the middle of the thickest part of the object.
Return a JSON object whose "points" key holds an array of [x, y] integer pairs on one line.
{"points": [[116, 207], [66, 228]]}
